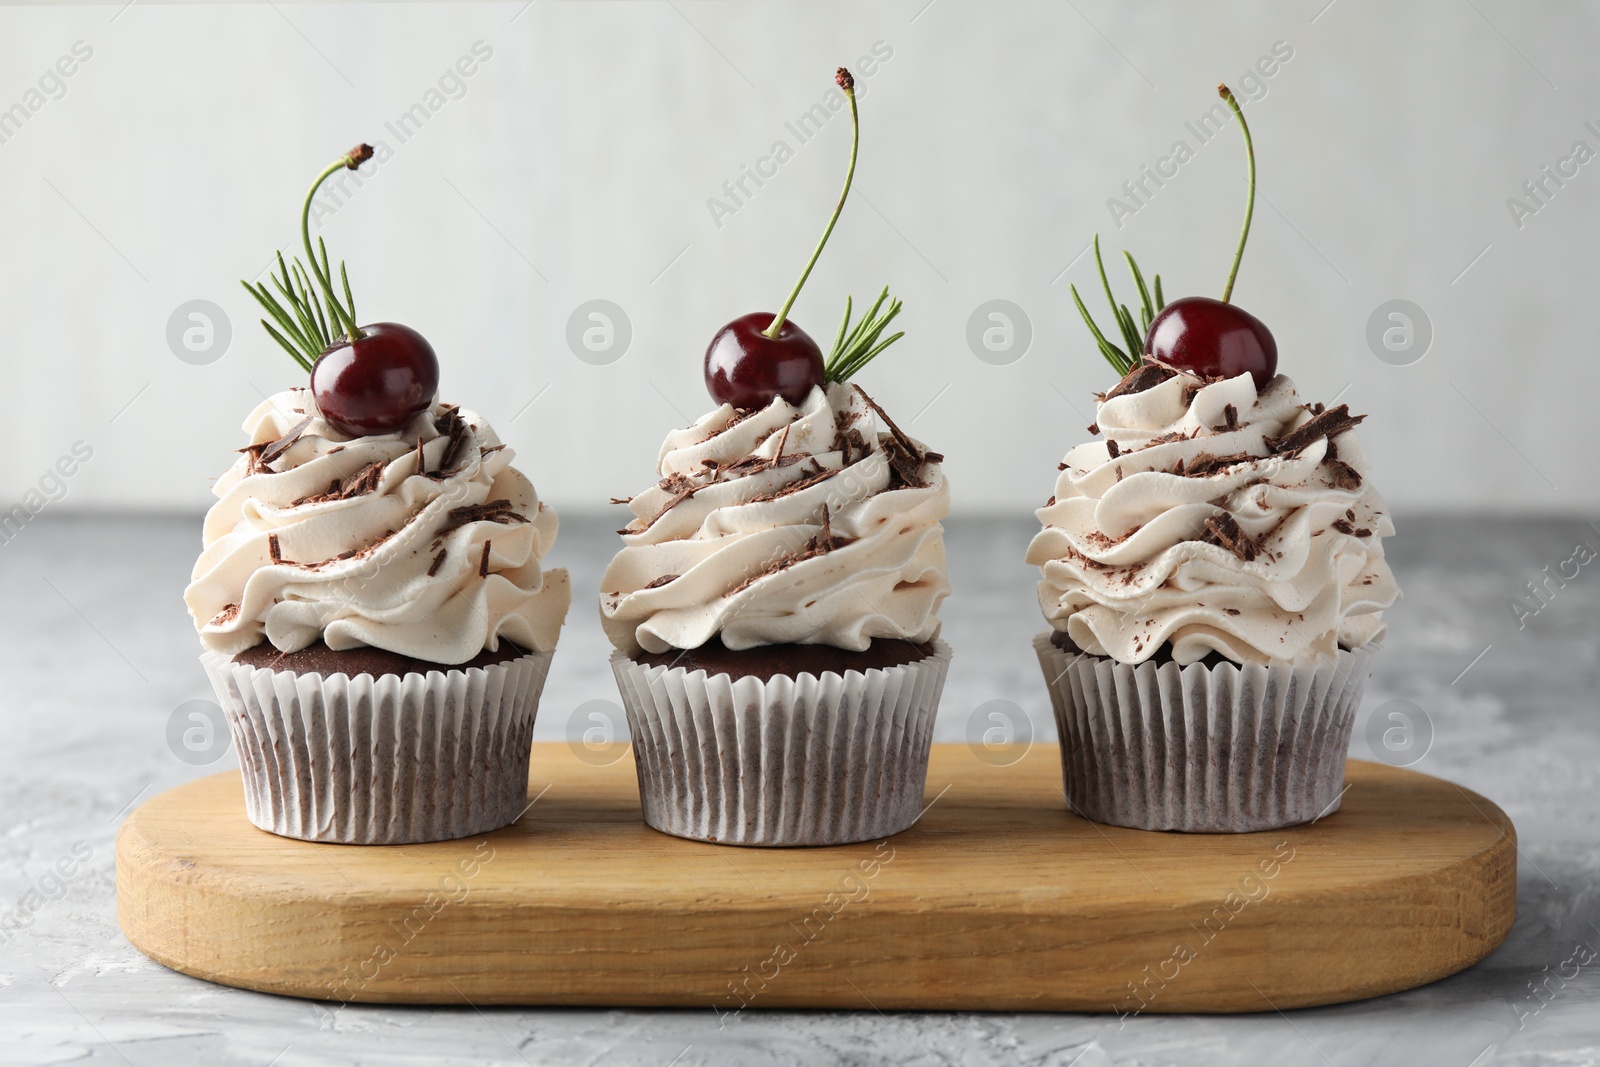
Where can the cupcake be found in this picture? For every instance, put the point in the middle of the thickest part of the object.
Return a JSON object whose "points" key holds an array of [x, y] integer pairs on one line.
{"points": [[774, 605], [1214, 578], [371, 599]]}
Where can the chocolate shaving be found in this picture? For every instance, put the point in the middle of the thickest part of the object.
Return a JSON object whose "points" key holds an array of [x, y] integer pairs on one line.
{"points": [[225, 616], [855, 444], [905, 442], [1094, 429], [806, 481], [1230, 417], [1206, 464], [497, 511], [449, 423], [1165, 439], [663, 580], [1224, 530], [1146, 375], [1341, 475], [354, 553], [1113, 448], [622, 500], [273, 550], [823, 543], [906, 469], [681, 489], [276, 449], [360, 483], [1345, 526], [1232, 611], [1330, 424], [483, 564], [438, 561]]}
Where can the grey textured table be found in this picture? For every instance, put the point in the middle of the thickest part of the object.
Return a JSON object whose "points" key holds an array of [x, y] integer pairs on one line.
{"points": [[97, 653]]}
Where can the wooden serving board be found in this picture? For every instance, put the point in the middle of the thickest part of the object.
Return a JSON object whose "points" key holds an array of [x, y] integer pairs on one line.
{"points": [[997, 900]]}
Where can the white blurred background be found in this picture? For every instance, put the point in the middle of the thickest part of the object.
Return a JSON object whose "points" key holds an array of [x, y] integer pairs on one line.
{"points": [[579, 160]]}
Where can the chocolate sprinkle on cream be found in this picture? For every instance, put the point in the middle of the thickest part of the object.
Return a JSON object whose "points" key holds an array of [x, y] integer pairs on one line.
{"points": [[663, 580], [483, 563], [904, 441], [1144, 376], [1341, 475], [1330, 424], [1112, 448], [1206, 464], [1224, 530], [276, 449], [498, 511], [450, 423], [226, 615], [438, 561], [360, 483], [820, 545], [273, 550]]}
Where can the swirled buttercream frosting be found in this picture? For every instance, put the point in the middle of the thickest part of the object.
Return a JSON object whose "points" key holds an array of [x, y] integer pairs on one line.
{"points": [[1215, 519], [816, 524], [425, 542]]}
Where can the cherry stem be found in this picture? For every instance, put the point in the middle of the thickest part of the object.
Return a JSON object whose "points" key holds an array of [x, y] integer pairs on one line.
{"points": [[848, 83], [349, 161], [1250, 201]]}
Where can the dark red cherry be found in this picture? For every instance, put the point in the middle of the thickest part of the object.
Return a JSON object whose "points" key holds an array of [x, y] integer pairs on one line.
{"points": [[1213, 339], [378, 383], [746, 368]]}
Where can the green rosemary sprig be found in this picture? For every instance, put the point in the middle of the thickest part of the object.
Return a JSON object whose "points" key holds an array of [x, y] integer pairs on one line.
{"points": [[855, 347], [1151, 301], [308, 314]]}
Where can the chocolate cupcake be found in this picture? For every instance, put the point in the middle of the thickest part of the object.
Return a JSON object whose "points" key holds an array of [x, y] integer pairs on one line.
{"points": [[774, 606], [371, 598], [1214, 577]]}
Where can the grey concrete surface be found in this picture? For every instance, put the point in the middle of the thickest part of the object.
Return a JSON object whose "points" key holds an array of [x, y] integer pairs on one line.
{"points": [[96, 653]]}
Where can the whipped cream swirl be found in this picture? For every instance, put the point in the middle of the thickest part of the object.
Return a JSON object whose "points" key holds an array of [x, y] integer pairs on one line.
{"points": [[425, 542], [1214, 519], [816, 524]]}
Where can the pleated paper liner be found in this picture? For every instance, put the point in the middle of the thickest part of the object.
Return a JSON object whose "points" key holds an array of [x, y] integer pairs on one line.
{"points": [[802, 760], [1224, 749], [382, 760]]}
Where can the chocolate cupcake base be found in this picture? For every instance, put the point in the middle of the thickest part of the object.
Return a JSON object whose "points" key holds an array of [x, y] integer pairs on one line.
{"points": [[777, 759], [382, 758], [1207, 748]]}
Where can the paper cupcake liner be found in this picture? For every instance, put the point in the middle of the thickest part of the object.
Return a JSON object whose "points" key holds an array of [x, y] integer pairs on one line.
{"points": [[382, 761], [1227, 749], [805, 760]]}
